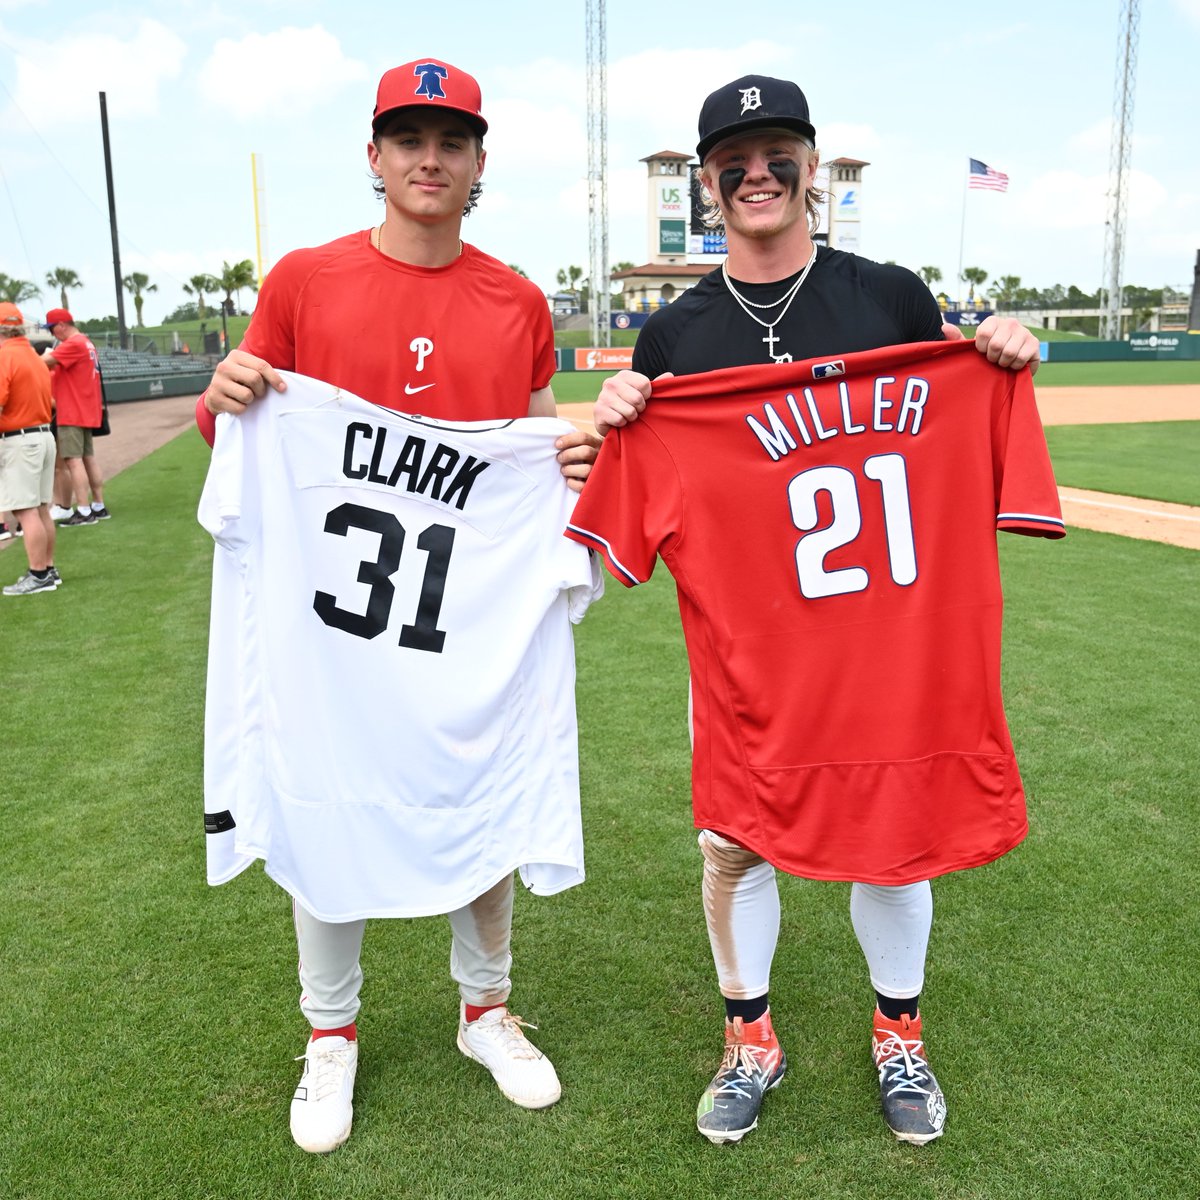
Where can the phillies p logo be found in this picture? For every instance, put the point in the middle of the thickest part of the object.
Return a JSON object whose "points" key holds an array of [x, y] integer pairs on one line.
{"points": [[431, 76]]}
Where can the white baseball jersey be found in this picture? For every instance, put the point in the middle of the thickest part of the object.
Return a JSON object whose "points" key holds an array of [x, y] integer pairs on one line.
{"points": [[390, 716]]}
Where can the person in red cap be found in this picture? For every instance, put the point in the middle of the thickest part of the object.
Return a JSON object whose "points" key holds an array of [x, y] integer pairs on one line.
{"points": [[26, 452], [78, 406], [780, 297], [408, 316]]}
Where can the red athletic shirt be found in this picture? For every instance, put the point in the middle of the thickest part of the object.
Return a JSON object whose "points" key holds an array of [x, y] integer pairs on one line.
{"points": [[470, 341], [831, 529], [24, 386], [76, 383]]}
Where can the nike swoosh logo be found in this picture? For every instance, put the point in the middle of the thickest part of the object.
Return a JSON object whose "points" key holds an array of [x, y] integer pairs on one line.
{"points": [[409, 390]]}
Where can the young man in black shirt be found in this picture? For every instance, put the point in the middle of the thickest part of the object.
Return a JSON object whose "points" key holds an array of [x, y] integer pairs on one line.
{"points": [[779, 297]]}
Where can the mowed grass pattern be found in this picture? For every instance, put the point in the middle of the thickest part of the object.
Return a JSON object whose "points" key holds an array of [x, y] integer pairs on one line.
{"points": [[1158, 460], [152, 1021]]}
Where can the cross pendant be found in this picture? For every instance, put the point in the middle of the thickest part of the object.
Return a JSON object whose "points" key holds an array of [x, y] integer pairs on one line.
{"points": [[770, 341]]}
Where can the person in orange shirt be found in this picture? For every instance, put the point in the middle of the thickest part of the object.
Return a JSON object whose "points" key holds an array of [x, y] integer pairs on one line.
{"points": [[26, 452]]}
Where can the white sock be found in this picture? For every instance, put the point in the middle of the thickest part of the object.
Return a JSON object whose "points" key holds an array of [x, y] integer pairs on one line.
{"points": [[97, 506], [892, 925]]}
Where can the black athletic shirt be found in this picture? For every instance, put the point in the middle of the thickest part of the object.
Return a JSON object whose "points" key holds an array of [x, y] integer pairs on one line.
{"points": [[847, 303]]}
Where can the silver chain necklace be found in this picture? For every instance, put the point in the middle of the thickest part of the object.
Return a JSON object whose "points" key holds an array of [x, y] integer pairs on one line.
{"points": [[786, 300]]}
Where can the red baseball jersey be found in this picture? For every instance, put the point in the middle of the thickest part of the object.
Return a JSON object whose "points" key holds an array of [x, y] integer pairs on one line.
{"points": [[831, 529], [414, 339]]}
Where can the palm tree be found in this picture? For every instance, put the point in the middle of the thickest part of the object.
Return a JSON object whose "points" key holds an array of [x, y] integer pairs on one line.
{"points": [[197, 286], [975, 277], [17, 291], [136, 283], [63, 278], [568, 279], [233, 278], [931, 275], [1004, 290]]}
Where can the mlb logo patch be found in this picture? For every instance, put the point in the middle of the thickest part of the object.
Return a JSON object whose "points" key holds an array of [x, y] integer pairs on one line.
{"points": [[825, 369]]}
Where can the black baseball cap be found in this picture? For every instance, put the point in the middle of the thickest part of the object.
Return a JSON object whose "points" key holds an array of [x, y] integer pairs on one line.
{"points": [[750, 103]]}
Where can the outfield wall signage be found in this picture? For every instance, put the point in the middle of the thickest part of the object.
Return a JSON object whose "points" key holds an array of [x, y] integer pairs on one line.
{"points": [[965, 316], [628, 320], [1159, 347], [1163, 345], [604, 358], [153, 387]]}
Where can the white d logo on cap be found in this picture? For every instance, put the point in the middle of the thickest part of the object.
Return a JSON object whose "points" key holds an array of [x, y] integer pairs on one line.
{"points": [[751, 99]]}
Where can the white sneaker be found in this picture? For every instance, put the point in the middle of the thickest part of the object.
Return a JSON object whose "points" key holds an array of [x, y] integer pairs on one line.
{"points": [[58, 513], [521, 1071], [323, 1107]]}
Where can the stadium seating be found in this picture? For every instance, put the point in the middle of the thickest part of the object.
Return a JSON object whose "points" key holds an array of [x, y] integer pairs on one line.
{"points": [[132, 364], [136, 375]]}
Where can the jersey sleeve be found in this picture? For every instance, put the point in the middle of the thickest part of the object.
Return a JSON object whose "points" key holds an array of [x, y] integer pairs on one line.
{"points": [[1027, 499], [226, 510], [544, 360], [630, 508]]}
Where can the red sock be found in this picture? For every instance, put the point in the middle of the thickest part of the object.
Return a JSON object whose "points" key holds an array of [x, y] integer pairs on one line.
{"points": [[475, 1011], [349, 1032]]}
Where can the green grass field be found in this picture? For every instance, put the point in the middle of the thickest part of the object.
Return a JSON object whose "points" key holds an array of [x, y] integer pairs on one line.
{"points": [[1156, 460], [152, 1020], [1116, 374]]}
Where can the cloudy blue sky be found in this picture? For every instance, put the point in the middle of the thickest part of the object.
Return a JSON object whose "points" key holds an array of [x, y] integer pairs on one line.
{"points": [[195, 88]]}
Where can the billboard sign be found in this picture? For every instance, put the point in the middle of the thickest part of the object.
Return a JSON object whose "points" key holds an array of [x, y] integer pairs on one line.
{"points": [[604, 358], [671, 198], [1159, 344], [672, 237]]}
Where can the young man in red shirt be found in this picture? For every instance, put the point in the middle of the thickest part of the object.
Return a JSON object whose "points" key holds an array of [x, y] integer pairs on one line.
{"points": [[79, 405], [408, 316]]}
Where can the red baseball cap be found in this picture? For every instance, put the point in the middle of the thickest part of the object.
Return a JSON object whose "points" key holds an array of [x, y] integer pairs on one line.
{"points": [[10, 314], [429, 82], [55, 315]]}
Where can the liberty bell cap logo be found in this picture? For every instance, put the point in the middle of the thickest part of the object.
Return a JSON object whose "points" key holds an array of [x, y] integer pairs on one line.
{"points": [[429, 82]]}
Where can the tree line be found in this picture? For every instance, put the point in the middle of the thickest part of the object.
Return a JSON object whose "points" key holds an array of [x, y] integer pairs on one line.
{"points": [[232, 280], [1006, 292]]}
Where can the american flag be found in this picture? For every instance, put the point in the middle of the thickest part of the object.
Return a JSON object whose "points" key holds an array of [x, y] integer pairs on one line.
{"points": [[982, 176]]}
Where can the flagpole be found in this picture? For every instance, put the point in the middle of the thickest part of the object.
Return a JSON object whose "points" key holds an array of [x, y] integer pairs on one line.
{"points": [[962, 233]]}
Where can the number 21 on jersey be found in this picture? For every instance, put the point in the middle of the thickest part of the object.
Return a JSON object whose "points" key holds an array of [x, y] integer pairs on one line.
{"points": [[847, 495]]}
